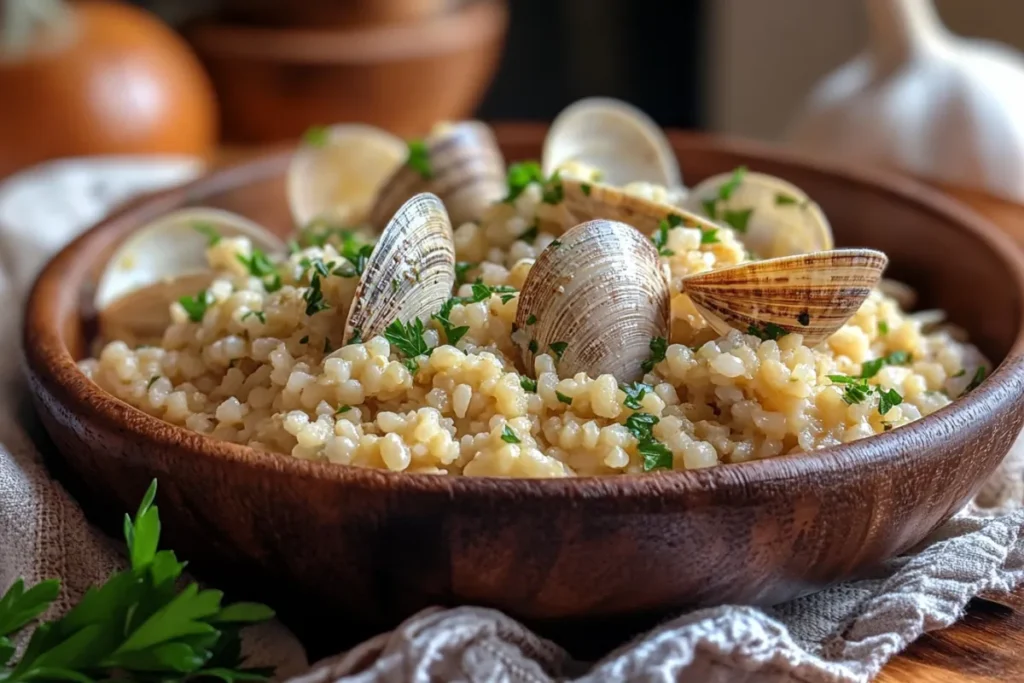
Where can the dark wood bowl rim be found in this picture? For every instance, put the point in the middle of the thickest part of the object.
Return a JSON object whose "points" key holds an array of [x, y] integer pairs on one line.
{"points": [[49, 358]]}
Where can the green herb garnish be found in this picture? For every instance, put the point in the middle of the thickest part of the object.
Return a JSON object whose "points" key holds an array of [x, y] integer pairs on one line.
{"points": [[356, 338], [317, 136], [151, 381], [314, 296], [532, 346], [559, 348], [963, 371], [738, 219], [553, 191], [660, 238], [641, 424], [883, 327], [555, 244], [709, 236], [857, 390], [888, 399], [769, 331], [710, 208], [293, 247], [726, 189], [509, 436], [452, 334], [567, 400], [482, 292], [195, 306], [979, 377], [342, 409], [137, 626], [785, 199], [408, 338], [635, 393], [519, 177], [870, 368], [656, 455], [586, 188], [532, 319], [419, 159], [529, 235], [528, 384], [462, 268], [260, 315], [658, 346], [204, 228]]}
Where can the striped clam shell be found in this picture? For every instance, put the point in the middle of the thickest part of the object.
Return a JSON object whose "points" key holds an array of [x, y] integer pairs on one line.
{"points": [[783, 220], [810, 294], [583, 201], [601, 291], [467, 173], [410, 273]]}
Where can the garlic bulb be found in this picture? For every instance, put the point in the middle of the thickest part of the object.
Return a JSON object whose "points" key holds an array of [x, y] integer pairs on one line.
{"points": [[923, 101]]}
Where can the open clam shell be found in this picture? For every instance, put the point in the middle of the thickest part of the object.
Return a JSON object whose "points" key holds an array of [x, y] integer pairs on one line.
{"points": [[161, 262], [811, 294], [336, 176], [779, 218], [618, 139], [583, 201], [460, 163], [594, 300], [410, 273]]}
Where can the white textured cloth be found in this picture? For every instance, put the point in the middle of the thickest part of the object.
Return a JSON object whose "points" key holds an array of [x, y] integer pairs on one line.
{"points": [[843, 634]]}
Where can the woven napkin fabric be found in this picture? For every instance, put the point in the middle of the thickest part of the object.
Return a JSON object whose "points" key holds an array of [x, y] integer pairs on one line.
{"points": [[843, 634]]}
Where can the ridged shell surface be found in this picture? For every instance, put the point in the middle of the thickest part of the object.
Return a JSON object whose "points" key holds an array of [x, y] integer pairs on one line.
{"points": [[583, 201]]}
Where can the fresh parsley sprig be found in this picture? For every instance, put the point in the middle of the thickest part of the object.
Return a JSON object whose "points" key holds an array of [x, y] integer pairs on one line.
{"points": [[195, 306], [419, 159], [452, 334], [736, 218], [408, 339], [770, 331], [655, 454], [136, 626], [857, 390], [870, 368], [658, 345]]}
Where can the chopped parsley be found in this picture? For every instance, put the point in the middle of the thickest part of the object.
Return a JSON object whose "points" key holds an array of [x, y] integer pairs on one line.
{"points": [[567, 400], [979, 377], [559, 348], [883, 327], [452, 334], [260, 315], [151, 381], [586, 188], [738, 219], [555, 244], [419, 159], [710, 208], [195, 306], [804, 318], [785, 199], [462, 269], [529, 235], [660, 239], [658, 346], [553, 193], [342, 410], [408, 338], [519, 177], [528, 384], [411, 365], [635, 393], [509, 436], [769, 331], [293, 247], [870, 368], [257, 263], [323, 269], [726, 189], [356, 338], [709, 236], [532, 346], [482, 292], [314, 297], [656, 455], [317, 136], [963, 371], [888, 399], [531, 320], [640, 425], [204, 228], [857, 390]]}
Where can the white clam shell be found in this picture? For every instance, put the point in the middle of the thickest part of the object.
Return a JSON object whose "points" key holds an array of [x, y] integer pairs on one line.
{"points": [[410, 273], [602, 291], [616, 138], [159, 263], [338, 181], [783, 220]]}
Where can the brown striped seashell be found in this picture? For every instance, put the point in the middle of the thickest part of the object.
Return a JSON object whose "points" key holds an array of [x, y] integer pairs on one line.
{"points": [[583, 201], [779, 218], [466, 170], [410, 273], [601, 290], [810, 294]]}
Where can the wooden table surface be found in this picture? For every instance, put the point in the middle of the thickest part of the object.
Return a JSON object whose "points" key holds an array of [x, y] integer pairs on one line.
{"points": [[987, 645]]}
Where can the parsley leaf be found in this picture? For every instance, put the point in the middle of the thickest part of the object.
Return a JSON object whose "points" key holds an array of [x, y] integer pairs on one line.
{"points": [[785, 199], [451, 333], [462, 269], [559, 348], [342, 410], [408, 338], [316, 136], [528, 384], [857, 390], [656, 455], [519, 177], [726, 189], [738, 219], [586, 189], [961, 373], [710, 208], [532, 346], [553, 193], [356, 338], [635, 393], [979, 377], [883, 327], [641, 424], [314, 297], [419, 159], [152, 381], [658, 346], [260, 315], [709, 236], [509, 436], [888, 399], [769, 331], [531, 319], [204, 228], [259, 265], [195, 306], [567, 400], [660, 238], [870, 368], [482, 292]]}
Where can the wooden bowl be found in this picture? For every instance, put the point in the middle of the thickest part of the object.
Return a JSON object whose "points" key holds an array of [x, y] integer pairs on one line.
{"points": [[370, 546], [273, 83], [309, 13]]}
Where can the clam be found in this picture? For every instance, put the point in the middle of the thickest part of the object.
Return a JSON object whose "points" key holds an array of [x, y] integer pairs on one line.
{"points": [[161, 262], [583, 201], [594, 299], [779, 219], [410, 273], [335, 174], [810, 294], [616, 138], [460, 163]]}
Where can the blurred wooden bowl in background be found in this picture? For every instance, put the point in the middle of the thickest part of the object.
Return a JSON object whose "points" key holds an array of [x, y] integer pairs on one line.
{"points": [[273, 83], [332, 13]]}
